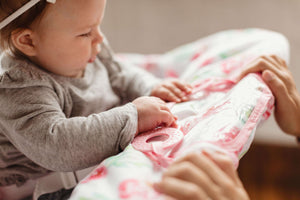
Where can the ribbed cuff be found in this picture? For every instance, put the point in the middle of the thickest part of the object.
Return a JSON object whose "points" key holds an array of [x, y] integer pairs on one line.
{"points": [[130, 118]]}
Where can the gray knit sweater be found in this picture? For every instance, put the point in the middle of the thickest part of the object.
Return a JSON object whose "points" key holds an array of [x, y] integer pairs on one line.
{"points": [[54, 123]]}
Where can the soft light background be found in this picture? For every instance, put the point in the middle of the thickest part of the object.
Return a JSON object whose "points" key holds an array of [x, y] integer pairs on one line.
{"points": [[156, 26]]}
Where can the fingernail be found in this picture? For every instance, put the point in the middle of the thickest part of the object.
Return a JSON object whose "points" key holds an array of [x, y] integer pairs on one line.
{"points": [[156, 187], [189, 90], [212, 153], [268, 76], [184, 98], [205, 153]]}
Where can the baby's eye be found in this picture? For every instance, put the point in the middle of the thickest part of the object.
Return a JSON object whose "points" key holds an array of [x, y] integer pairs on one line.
{"points": [[86, 34]]}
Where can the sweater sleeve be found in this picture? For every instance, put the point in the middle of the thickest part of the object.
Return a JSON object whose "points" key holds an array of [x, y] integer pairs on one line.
{"points": [[128, 80], [33, 121]]}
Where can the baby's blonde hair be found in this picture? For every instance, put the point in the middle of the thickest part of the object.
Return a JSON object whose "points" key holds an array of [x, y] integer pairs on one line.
{"points": [[7, 7]]}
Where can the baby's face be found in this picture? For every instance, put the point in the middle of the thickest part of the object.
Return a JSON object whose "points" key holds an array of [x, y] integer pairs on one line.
{"points": [[68, 37]]}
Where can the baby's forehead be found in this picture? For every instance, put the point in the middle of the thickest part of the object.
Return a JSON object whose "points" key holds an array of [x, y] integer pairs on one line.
{"points": [[80, 13]]}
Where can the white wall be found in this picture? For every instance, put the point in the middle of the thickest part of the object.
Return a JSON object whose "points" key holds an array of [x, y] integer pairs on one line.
{"points": [[155, 26]]}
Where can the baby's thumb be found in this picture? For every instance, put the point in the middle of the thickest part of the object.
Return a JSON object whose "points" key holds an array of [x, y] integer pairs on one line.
{"points": [[276, 85]]}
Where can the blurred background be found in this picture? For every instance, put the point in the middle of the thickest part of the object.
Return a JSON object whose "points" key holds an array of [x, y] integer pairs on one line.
{"points": [[271, 168]]}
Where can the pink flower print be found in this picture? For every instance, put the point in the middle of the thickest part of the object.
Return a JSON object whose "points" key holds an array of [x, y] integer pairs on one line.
{"points": [[231, 134], [188, 125], [196, 55], [266, 115], [171, 73], [132, 188], [233, 64], [206, 62], [215, 109], [230, 65], [149, 66], [269, 110], [96, 174]]}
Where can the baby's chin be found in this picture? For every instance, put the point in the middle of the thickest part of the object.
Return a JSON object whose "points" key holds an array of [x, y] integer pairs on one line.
{"points": [[79, 73]]}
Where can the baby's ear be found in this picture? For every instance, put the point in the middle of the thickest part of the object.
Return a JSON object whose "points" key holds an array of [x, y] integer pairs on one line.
{"points": [[23, 40]]}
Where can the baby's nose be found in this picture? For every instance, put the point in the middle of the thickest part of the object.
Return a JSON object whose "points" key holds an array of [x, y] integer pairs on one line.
{"points": [[97, 48], [98, 37]]}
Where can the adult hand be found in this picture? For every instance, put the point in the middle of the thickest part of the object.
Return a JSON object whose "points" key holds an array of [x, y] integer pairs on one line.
{"points": [[277, 76], [202, 177]]}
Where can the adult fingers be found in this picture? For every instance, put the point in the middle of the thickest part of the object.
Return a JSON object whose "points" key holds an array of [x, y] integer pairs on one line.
{"points": [[225, 163], [263, 64], [202, 171], [189, 172], [283, 103], [272, 61], [257, 65], [286, 102], [277, 86], [180, 189], [205, 163], [231, 184], [282, 71], [280, 60]]}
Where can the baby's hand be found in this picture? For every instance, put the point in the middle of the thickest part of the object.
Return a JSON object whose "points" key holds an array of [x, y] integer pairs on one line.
{"points": [[172, 90], [153, 112]]}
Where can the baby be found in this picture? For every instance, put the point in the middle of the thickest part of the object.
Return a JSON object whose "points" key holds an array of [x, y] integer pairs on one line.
{"points": [[66, 102]]}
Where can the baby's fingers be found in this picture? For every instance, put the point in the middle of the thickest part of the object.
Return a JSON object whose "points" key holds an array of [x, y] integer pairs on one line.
{"points": [[175, 91], [165, 94], [166, 118], [179, 89], [187, 88]]}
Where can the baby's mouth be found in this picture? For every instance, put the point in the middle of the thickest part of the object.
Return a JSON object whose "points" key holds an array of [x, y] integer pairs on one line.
{"points": [[92, 59]]}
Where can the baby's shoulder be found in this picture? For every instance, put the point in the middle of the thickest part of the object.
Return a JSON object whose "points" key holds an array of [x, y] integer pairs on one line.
{"points": [[22, 73]]}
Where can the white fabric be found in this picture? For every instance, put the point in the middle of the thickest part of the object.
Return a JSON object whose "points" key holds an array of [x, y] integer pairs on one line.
{"points": [[56, 181], [47, 184]]}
